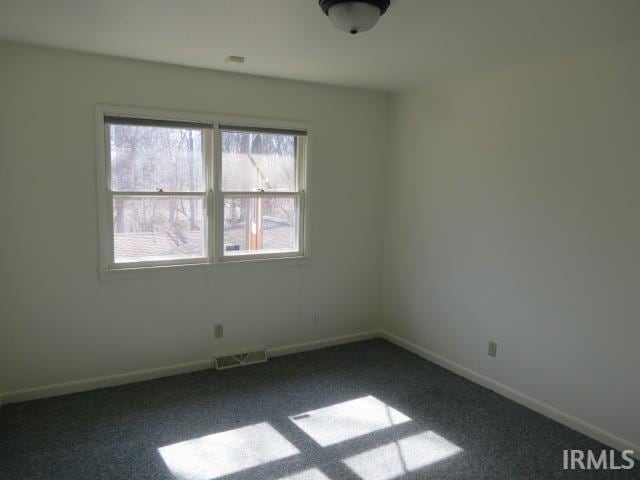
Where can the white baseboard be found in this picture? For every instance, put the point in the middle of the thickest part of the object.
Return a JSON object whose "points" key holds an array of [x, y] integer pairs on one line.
{"points": [[545, 409], [102, 382], [149, 374], [325, 342]]}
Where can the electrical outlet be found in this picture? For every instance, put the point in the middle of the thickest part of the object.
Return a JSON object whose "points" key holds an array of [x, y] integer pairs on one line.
{"points": [[315, 318], [218, 330], [493, 349]]}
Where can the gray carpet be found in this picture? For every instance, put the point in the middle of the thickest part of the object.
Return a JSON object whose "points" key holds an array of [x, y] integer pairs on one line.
{"points": [[441, 426]]}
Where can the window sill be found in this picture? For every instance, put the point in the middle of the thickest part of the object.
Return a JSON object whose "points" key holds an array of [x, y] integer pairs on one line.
{"points": [[135, 272]]}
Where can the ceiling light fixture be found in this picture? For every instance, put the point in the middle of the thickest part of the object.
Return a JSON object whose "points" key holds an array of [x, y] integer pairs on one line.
{"points": [[354, 16]]}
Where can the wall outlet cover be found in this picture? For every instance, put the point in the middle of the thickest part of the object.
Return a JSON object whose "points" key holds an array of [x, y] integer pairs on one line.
{"points": [[218, 330]]}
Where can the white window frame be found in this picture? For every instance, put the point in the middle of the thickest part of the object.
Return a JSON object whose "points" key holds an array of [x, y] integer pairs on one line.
{"points": [[214, 199]]}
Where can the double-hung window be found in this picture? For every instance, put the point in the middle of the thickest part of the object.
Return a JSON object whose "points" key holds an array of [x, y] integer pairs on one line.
{"points": [[180, 189]]}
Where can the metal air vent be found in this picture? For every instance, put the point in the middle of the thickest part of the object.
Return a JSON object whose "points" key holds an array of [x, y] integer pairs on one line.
{"points": [[240, 359]]}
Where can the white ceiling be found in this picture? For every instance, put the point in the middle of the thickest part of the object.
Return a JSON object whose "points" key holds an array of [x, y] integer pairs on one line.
{"points": [[416, 42]]}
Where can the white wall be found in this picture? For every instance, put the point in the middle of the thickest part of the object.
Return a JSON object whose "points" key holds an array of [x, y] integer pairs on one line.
{"points": [[60, 323], [514, 216]]}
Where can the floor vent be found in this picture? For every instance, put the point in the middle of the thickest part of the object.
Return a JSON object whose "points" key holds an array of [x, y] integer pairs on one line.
{"points": [[240, 359]]}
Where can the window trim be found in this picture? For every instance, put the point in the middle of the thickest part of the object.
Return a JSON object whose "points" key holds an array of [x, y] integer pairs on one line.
{"points": [[214, 197]]}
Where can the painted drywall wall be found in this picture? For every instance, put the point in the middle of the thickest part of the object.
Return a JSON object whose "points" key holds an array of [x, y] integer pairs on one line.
{"points": [[513, 216], [61, 323]]}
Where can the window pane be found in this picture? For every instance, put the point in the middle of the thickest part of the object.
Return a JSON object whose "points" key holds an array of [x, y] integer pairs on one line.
{"points": [[158, 228], [260, 225], [254, 161], [145, 159]]}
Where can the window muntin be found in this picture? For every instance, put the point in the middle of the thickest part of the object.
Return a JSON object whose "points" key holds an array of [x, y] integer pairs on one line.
{"points": [[180, 192]]}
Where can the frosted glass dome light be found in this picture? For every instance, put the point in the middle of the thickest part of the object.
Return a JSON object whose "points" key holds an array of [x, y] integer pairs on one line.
{"points": [[354, 16]]}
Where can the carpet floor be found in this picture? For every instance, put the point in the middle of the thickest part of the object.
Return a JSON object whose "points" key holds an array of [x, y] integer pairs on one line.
{"points": [[367, 410]]}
